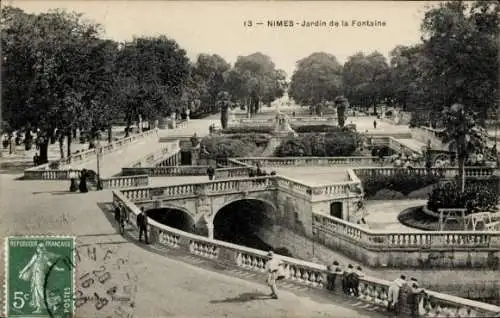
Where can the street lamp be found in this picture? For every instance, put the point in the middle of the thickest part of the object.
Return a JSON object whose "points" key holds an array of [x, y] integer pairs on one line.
{"points": [[98, 157]]}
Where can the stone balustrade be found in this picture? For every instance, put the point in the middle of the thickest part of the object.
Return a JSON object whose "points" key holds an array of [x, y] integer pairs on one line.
{"points": [[417, 240], [309, 161], [43, 172], [50, 174], [125, 182], [442, 172], [293, 121], [170, 153], [206, 188], [220, 173], [302, 273], [163, 171]]}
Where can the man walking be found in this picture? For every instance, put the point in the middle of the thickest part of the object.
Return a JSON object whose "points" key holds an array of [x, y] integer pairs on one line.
{"points": [[393, 294], [142, 224], [273, 269]]}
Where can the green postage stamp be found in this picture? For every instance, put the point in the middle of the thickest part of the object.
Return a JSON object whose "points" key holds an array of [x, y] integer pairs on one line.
{"points": [[39, 276]]}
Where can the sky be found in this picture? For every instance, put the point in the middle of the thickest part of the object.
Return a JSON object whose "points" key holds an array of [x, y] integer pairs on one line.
{"points": [[219, 27]]}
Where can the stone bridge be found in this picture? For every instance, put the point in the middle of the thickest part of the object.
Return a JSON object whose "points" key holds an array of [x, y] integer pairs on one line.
{"points": [[286, 201]]}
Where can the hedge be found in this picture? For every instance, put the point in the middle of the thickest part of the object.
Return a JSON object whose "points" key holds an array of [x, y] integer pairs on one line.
{"points": [[248, 129], [340, 144], [316, 128], [234, 146], [401, 181]]}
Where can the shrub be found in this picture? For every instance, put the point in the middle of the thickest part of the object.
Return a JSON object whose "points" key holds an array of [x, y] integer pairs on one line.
{"points": [[220, 147], [403, 181], [478, 196], [259, 140], [340, 144], [246, 130], [316, 129]]}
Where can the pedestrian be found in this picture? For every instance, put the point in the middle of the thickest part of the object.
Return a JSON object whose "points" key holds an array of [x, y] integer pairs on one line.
{"points": [[414, 297], [123, 219], [36, 159], [210, 173], [83, 181], [393, 293], [346, 279], [333, 271], [273, 266], [142, 224], [375, 124], [356, 275]]}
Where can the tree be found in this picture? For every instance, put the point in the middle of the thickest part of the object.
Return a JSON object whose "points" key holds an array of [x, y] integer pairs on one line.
{"points": [[366, 79], [46, 66], [464, 133], [460, 55], [209, 70], [152, 73], [255, 79], [318, 77], [404, 75]]}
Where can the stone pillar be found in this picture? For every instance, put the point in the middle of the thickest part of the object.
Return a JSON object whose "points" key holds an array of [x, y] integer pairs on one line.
{"points": [[210, 229]]}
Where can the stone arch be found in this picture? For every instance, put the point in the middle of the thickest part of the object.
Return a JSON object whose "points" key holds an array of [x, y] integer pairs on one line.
{"points": [[244, 221], [173, 216], [266, 201]]}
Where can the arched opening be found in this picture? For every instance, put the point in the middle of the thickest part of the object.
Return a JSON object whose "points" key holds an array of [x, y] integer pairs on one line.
{"points": [[173, 217], [241, 221], [336, 209]]}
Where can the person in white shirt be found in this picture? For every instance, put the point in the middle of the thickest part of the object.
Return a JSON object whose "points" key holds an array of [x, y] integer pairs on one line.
{"points": [[273, 271], [393, 294]]}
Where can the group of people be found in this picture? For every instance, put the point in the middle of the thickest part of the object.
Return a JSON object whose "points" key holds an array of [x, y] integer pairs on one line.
{"points": [[399, 289], [142, 221]]}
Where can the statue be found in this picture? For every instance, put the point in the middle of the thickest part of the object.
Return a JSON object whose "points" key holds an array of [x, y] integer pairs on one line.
{"points": [[282, 125]]}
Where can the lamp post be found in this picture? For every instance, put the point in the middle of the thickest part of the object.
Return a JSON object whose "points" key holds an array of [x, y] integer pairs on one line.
{"points": [[98, 157]]}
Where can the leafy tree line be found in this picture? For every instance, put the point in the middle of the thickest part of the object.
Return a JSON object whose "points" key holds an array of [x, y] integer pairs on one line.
{"points": [[456, 62], [60, 75]]}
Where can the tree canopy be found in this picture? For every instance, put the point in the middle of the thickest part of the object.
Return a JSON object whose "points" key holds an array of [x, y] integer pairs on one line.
{"points": [[318, 77]]}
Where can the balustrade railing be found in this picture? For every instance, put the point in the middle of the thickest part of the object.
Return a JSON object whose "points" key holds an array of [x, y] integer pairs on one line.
{"points": [[43, 172], [195, 189], [390, 241], [441, 172], [309, 161], [125, 182], [302, 273], [170, 150]]}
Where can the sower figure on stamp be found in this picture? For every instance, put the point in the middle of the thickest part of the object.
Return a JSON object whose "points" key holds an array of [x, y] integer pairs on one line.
{"points": [[35, 272], [142, 224]]}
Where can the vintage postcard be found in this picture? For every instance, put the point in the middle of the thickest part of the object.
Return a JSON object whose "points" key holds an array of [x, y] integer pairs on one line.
{"points": [[249, 159]]}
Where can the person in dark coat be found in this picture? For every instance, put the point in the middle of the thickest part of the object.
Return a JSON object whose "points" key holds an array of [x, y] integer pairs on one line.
{"points": [[142, 224], [211, 173], [83, 182]]}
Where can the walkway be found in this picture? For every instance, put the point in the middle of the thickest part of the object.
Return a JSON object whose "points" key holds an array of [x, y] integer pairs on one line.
{"points": [[112, 163], [198, 289]]}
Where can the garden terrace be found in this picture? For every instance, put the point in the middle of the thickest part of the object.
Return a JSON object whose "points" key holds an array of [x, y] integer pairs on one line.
{"points": [[372, 290]]}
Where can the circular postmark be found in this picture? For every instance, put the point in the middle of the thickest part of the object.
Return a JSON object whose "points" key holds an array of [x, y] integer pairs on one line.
{"points": [[104, 285]]}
